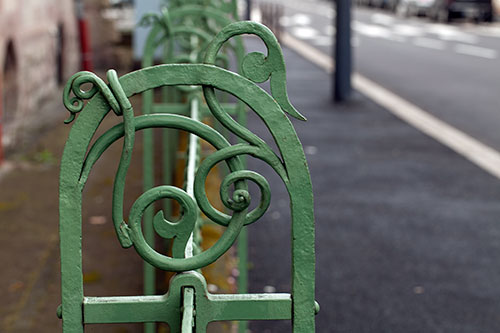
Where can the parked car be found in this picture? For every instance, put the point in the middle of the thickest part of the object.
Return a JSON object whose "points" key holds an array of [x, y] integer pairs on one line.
{"points": [[387, 4], [446, 10], [414, 7]]}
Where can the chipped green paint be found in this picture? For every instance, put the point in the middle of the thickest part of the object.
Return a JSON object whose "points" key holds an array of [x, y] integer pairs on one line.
{"points": [[79, 157]]}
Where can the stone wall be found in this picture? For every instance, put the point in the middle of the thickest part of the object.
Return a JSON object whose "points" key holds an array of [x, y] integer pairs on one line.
{"points": [[39, 50]]}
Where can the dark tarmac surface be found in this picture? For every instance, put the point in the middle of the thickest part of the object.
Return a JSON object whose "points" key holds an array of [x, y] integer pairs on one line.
{"points": [[407, 230]]}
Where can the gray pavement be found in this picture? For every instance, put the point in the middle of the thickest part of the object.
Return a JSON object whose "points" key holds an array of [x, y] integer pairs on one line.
{"points": [[29, 242], [407, 230]]}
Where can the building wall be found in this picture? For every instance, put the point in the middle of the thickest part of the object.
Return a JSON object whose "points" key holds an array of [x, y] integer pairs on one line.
{"points": [[34, 32], [496, 8]]}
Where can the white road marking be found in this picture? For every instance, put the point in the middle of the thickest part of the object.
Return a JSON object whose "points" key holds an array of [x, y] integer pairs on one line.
{"points": [[295, 20], [407, 30], [487, 31], [325, 10], [448, 33], [371, 30], [256, 15], [376, 31], [300, 19], [476, 51], [429, 43], [382, 19], [330, 30], [477, 152], [304, 32], [323, 40]]}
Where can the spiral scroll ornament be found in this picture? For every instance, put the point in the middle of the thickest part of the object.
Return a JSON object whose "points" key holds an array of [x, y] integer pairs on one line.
{"points": [[234, 191]]}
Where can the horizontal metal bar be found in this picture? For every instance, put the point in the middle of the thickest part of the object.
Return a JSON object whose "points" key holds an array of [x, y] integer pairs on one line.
{"points": [[183, 108], [125, 309], [172, 108], [251, 307], [140, 309]]}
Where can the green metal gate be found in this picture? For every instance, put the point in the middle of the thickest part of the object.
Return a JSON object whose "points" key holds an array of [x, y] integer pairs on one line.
{"points": [[188, 305]]}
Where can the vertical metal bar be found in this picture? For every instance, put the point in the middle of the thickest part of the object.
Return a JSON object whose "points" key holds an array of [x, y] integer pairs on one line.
{"points": [[343, 53], [192, 161], [242, 245], [169, 146], [243, 271], [249, 10], [149, 277], [188, 311]]}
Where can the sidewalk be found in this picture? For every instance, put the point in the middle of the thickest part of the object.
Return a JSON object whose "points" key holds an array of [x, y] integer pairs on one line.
{"points": [[407, 230], [29, 236], [29, 240]]}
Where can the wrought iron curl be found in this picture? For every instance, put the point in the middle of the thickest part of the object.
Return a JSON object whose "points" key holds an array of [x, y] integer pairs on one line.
{"points": [[75, 104], [178, 231], [240, 199], [256, 66]]}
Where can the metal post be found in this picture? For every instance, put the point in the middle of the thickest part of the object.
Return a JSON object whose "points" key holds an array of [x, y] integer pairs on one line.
{"points": [[249, 10], [343, 54]]}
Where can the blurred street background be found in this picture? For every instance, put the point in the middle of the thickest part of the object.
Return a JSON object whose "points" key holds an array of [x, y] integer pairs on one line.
{"points": [[405, 165]]}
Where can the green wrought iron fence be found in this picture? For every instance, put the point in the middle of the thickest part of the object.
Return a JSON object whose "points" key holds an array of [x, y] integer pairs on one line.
{"points": [[188, 306], [182, 33]]}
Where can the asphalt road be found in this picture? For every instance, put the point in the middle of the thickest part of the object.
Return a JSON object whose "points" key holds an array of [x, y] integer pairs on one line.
{"points": [[449, 70], [406, 229], [407, 232]]}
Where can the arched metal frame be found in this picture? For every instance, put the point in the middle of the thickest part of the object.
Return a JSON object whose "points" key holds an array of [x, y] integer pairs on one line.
{"points": [[291, 166]]}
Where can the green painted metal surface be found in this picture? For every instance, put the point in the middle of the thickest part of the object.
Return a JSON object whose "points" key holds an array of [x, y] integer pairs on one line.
{"points": [[80, 156], [175, 29], [179, 28]]}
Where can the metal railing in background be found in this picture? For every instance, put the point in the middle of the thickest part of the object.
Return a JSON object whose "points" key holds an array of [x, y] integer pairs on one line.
{"points": [[181, 33]]}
